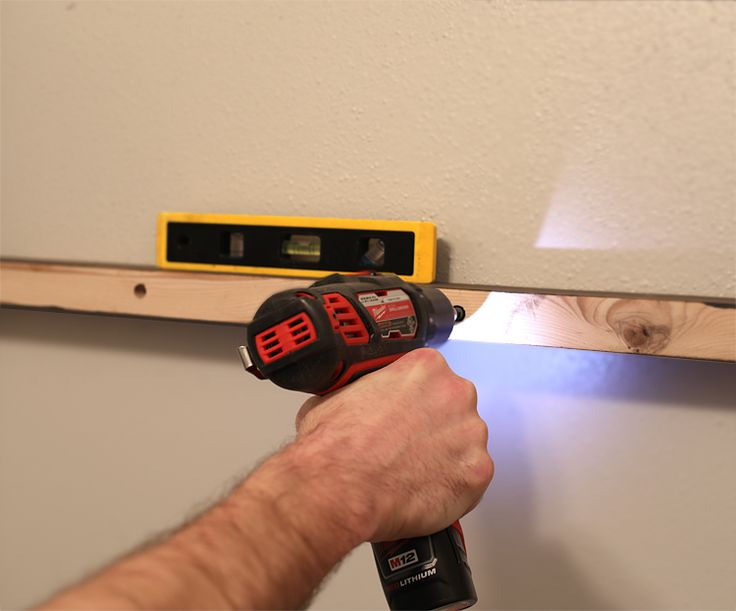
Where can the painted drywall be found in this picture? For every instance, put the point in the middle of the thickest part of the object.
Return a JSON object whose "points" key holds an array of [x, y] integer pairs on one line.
{"points": [[581, 145], [614, 473]]}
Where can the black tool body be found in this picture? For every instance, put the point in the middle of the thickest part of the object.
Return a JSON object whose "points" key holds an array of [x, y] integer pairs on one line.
{"points": [[322, 337]]}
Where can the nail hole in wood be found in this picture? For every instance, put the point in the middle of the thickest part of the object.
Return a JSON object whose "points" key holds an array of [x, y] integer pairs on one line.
{"points": [[140, 291]]}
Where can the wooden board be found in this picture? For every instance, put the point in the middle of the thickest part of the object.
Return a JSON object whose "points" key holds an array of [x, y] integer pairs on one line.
{"points": [[641, 325], [660, 327]]}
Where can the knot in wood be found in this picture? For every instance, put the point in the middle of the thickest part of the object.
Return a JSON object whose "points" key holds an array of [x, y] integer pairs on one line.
{"points": [[642, 325], [641, 335]]}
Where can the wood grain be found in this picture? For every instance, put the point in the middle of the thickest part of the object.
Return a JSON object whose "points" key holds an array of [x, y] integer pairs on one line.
{"points": [[688, 329], [657, 326]]}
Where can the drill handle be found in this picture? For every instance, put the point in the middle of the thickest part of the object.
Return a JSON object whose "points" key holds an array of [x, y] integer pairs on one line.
{"points": [[429, 572]]}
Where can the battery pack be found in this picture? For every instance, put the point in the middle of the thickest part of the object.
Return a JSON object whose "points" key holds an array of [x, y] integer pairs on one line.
{"points": [[296, 246]]}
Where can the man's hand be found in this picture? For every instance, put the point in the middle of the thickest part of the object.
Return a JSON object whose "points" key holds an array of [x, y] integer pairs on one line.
{"points": [[399, 453], [405, 446]]}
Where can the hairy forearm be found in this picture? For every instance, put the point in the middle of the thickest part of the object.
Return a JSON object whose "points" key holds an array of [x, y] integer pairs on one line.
{"points": [[268, 545], [357, 472]]}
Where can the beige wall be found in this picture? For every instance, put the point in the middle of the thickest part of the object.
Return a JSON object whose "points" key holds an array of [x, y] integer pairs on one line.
{"points": [[583, 145], [559, 144], [614, 484]]}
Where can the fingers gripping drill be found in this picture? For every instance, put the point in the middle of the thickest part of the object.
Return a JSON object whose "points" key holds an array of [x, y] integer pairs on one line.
{"points": [[323, 337]]}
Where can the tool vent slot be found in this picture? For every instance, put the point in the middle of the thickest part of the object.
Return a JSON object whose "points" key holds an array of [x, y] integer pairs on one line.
{"points": [[345, 320], [284, 338]]}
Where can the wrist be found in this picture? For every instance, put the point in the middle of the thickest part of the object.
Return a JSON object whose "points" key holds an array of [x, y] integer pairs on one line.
{"points": [[298, 513], [326, 500]]}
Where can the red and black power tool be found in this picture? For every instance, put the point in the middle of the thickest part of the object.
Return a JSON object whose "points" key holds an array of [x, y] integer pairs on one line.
{"points": [[320, 338]]}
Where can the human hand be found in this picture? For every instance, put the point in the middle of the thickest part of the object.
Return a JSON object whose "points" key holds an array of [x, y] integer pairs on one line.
{"points": [[403, 448]]}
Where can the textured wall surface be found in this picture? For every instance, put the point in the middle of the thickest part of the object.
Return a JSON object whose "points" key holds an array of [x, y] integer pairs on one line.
{"points": [[614, 474], [583, 145]]}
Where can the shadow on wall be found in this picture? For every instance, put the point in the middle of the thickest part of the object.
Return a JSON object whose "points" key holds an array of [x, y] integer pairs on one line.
{"points": [[124, 334], [508, 367], [663, 380], [444, 256], [526, 563], [522, 567]]}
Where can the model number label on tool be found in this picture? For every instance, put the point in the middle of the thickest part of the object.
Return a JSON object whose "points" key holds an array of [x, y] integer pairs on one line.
{"points": [[399, 562], [393, 311]]}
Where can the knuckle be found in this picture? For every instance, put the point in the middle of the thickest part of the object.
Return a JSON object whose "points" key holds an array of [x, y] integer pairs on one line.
{"points": [[470, 393], [464, 391], [429, 357], [481, 472], [481, 432], [475, 433], [484, 427]]}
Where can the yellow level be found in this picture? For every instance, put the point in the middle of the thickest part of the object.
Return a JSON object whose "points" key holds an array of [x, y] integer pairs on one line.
{"points": [[295, 246]]}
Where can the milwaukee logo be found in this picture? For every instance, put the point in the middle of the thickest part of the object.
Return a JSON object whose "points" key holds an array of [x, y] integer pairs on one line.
{"points": [[417, 577], [401, 560]]}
